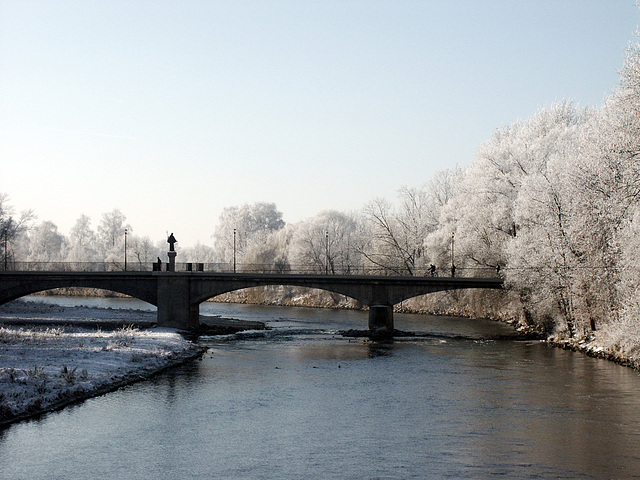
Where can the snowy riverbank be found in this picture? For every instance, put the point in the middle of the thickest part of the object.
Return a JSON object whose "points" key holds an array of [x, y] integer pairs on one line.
{"points": [[44, 368], [598, 349]]}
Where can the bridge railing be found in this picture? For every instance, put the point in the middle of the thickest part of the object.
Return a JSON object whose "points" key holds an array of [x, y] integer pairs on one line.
{"points": [[239, 268], [74, 267]]}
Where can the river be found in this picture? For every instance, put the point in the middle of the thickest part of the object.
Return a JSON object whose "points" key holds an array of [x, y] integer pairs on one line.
{"points": [[299, 401]]}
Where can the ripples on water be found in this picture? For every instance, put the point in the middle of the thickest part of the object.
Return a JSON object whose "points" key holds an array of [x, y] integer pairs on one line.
{"points": [[298, 403]]}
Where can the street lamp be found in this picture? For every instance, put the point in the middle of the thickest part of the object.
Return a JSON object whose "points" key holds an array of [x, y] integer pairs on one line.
{"points": [[7, 225], [125, 249], [234, 250], [6, 254], [326, 253], [453, 265]]}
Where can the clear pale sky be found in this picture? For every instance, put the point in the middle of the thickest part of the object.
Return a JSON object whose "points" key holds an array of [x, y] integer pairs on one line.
{"points": [[172, 110]]}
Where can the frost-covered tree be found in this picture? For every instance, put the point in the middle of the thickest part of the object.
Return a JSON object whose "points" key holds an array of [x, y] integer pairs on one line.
{"points": [[443, 189], [623, 335], [327, 243], [252, 225], [111, 230], [141, 251], [615, 187], [199, 253], [11, 228], [482, 214], [398, 233], [111, 236], [593, 192], [82, 242], [272, 255], [45, 243], [543, 256], [570, 256]]}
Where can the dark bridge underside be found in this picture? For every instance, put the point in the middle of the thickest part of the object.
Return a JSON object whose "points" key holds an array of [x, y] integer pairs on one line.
{"points": [[15, 285], [369, 290], [178, 295]]}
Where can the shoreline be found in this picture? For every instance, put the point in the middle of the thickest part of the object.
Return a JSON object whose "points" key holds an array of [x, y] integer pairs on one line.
{"points": [[52, 357], [71, 398], [44, 368], [592, 349]]}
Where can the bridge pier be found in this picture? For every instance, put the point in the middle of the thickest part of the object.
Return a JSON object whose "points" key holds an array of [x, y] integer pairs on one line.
{"points": [[174, 306], [381, 318]]}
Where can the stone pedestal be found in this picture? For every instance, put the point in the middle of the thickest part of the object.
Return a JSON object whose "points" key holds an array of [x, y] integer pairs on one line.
{"points": [[171, 267]]}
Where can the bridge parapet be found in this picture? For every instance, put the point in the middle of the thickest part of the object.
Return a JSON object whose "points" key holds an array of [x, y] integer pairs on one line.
{"points": [[254, 268]]}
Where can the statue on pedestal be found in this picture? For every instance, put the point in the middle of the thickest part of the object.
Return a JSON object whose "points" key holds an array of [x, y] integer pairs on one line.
{"points": [[172, 253], [172, 241]]}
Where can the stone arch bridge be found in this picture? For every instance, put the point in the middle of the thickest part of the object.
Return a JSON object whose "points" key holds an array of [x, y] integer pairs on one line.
{"points": [[178, 295]]}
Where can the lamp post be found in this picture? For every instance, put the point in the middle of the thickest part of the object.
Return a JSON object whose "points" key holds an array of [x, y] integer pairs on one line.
{"points": [[453, 264], [6, 254], [234, 250], [326, 253], [125, 249], [7, 225]]}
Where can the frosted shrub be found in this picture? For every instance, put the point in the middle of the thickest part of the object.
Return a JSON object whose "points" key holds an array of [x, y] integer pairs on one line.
{"points": [[42, 388], [36, 373], [8, 374], [68, 374], [125, 335], [54, 331], [7, 335], [622, 337], [114, 345]]}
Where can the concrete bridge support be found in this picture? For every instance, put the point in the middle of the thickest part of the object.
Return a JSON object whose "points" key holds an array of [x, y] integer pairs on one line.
{"points": [[381, 318], [174, 303]]}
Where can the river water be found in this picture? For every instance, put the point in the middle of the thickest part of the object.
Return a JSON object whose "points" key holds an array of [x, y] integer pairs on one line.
{"points": [[299, 401]]}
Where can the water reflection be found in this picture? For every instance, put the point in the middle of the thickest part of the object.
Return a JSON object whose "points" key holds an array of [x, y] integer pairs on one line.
{"points": [[344, 350], [552, 406], [309, 405]]}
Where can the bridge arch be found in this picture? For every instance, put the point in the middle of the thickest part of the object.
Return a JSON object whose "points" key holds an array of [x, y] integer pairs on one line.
{"points": [[203, 296], [366, 290], [291, 295], [20, 287], [17, 296]]}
